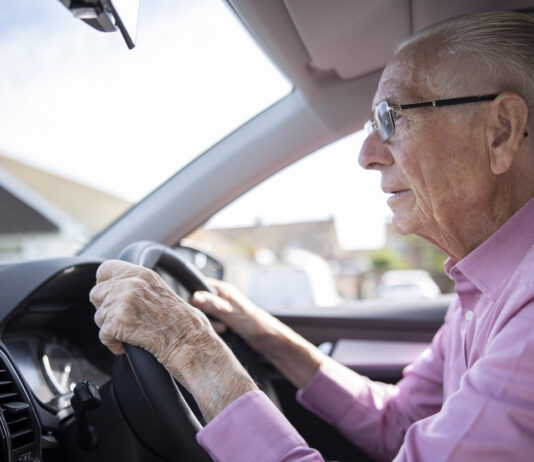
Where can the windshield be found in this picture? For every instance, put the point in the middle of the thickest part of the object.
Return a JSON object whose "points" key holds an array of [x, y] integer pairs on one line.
{"points": [[89, 127]]}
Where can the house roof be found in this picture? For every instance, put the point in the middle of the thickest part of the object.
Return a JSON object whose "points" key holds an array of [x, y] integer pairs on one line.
{"points": [[317, 236], [99, 208], [18, 217]]}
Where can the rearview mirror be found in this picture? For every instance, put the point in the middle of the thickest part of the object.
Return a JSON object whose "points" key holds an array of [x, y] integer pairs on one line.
{"points": [[108, 16]]}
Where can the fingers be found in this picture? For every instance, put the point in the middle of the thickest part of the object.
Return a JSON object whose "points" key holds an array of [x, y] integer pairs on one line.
{"points": [[105, 304], [134, 306], [108, 339], [216, 283], [100, 317], [211, 304], [224, 289], [105, 294], [97, 296], [98, 293], [103, 319], [116, 269]]}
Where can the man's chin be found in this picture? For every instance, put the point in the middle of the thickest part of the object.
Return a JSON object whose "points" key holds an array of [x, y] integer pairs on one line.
{"points": [[401, 225]]}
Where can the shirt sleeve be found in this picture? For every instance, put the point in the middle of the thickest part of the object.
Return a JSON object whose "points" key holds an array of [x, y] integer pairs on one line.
{"points": [[372, 415], [253, 429], [491, 415]]}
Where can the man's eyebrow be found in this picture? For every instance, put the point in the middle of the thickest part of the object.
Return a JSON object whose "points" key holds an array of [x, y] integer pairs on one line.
{"points": [[391, 98]]}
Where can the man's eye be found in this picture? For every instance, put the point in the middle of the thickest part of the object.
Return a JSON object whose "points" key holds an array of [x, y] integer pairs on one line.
{"points": [[396, 115]]}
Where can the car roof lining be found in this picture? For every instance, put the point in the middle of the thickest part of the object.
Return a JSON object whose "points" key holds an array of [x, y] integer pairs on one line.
{"points": [[334, 37], [308, 38]]}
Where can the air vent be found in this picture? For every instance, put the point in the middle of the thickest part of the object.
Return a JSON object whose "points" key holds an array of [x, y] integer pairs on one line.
{"points": [[19, 424]]}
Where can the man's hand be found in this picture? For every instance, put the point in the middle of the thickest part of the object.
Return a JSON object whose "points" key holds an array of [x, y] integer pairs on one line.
{"points": [[294, 356], [134, 305], [233, 310]]}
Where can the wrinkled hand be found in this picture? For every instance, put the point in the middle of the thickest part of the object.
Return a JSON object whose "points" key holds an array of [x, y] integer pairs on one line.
{"points": [[135, 306], [290, 353], [234, 310]]}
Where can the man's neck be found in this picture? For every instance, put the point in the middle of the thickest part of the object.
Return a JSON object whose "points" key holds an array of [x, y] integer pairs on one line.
{"points": [[458, 241]]}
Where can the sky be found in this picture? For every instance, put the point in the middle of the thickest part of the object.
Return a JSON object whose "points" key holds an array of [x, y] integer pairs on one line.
{"points": [[78, 103]]}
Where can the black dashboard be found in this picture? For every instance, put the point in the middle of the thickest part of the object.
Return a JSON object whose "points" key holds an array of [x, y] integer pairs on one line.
{"points": [[53, 340], [49, 343]]}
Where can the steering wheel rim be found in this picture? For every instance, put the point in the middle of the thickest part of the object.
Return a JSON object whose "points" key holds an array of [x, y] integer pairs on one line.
{"points": [[149, 397]]}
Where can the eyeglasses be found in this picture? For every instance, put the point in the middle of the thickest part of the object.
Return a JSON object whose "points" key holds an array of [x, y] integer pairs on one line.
{"points": [[383, 117]]}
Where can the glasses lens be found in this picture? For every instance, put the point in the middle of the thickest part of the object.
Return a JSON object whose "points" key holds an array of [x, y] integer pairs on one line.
{"points": [[384, 121]]}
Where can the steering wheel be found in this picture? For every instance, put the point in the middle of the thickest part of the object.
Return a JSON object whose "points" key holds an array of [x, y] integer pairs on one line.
{"points": [[149, 397]]}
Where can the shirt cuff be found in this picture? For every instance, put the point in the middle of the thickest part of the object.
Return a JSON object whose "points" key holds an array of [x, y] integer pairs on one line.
{"points": [[250, 429], [326, 398]]}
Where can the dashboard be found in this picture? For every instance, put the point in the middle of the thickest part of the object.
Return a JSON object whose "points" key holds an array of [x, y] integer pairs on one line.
{"points": [[52, 367], [53, 340], [49, 344]]}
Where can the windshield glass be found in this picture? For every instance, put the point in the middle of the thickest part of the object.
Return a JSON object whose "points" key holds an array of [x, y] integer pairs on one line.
{"points": [[88, 127]]}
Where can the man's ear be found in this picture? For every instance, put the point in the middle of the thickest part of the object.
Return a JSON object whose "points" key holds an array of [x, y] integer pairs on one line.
{"points": [[507, 127]]}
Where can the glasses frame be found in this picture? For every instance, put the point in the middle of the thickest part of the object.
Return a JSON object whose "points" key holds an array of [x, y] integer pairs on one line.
{"points": [[386, 130]]}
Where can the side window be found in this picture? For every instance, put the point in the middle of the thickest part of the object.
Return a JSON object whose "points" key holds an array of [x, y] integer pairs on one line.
{"points": [[318, 234]]}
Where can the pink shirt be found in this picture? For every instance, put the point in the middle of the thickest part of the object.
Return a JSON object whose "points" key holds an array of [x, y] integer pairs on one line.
{"points": [[469, 396]]}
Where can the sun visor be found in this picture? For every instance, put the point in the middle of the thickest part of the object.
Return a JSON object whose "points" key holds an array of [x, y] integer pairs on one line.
{"points": [[346, 38], [358, 36]]}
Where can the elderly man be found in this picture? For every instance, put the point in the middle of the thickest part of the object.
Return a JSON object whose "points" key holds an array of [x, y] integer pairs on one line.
{"points": [[449, 134]]}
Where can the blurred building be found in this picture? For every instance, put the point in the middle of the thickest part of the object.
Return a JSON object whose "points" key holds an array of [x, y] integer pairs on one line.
{"points": [[269, 249], [40, 212]]}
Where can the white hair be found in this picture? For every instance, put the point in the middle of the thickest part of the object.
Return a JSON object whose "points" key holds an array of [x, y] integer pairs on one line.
{"points": [[481, 53]]}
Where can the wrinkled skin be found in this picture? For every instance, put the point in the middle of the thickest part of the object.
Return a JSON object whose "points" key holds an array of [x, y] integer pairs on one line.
{"points": [[454, 174], [233, 309], [290, 353], [134, 305]]}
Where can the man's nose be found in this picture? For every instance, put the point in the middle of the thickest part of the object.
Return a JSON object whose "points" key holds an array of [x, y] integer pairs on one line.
{"points": [[374, 154]]}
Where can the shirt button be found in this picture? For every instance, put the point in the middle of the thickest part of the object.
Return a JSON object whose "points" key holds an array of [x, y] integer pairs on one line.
{"points": [[468, 315]]}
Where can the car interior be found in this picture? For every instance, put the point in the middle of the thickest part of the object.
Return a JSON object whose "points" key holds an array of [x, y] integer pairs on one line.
{"points": [[65, 397]]}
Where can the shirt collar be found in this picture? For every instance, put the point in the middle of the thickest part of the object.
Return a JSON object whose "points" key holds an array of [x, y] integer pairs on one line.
{"points": [[492, 263]]}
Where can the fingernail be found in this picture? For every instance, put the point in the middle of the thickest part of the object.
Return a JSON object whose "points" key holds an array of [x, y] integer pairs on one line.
{"points": [[200, 297]]}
